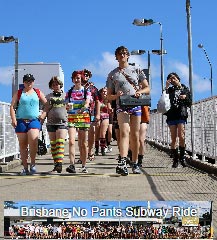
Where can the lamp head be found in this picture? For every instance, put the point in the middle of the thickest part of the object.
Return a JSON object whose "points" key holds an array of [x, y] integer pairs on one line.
{"points": [[158, 52], [200, 45], [143, 22], [4, 39], [137, 52]]}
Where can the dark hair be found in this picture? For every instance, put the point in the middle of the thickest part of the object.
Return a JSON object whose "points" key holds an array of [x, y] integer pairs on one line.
{"points": [[121, 48], [75, 73], [55, 79], [86, 71], [175, 74], [28, 77]]}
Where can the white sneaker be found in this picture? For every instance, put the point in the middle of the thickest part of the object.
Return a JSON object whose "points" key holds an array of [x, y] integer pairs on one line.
{"points": [[109, 148], [84, 170], [25, 172]]}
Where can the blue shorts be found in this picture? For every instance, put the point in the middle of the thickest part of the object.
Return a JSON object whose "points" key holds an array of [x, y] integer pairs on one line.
{"points": [[176, 122], [24, 125], [135, 111]]}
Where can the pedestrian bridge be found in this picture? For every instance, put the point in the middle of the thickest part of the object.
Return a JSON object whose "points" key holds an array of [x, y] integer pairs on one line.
{"points": [[201, 131]]}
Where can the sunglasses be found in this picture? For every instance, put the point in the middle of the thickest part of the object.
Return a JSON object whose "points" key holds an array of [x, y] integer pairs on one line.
{"points": [[123, 53]]}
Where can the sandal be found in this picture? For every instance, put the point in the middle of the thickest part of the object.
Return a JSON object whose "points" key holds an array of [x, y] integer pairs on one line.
{"points": [[91, 156]]}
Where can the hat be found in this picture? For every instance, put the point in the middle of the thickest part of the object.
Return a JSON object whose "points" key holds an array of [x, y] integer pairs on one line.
{"points": [[28, 77]]}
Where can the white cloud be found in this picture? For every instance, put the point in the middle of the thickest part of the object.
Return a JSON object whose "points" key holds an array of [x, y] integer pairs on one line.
{"points": [[103, 67], [108, 62], [199, 84], [6, 74]]}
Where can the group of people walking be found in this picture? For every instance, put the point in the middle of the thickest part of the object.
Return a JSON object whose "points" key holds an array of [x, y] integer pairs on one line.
{"points": [[90, 113]]}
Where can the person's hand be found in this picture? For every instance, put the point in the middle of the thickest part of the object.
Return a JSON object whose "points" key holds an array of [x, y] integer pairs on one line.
{"points": [[14, 123], [119, 93], [168, 82], [182, 96], [97, 120], [138, 94]]}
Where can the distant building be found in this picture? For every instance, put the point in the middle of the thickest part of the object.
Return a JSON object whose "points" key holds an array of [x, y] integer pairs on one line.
{"points": [[42, 73]]}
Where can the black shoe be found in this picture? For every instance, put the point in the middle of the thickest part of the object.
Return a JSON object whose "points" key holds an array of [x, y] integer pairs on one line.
{"points": [[122, 167], [175, 164], [103, 151], [129, 162], [71, 169], [182, 162], [57, 167], [140, 158], [97, 152]]}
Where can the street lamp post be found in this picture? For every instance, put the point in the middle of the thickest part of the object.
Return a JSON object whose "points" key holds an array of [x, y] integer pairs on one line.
{"points": [[9, 39], [140, 52], [147, 22], [201, 46]]}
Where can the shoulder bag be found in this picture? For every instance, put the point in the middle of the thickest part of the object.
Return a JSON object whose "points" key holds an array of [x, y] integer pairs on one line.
{"points": [[131, 100]]}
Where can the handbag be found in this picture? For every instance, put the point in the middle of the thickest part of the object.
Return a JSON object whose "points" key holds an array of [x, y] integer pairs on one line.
{"points": [[132, 101], [42, 148], [163, 104]]}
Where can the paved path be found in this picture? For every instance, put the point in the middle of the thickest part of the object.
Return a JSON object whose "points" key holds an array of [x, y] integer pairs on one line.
{"points": [[158, 181]]}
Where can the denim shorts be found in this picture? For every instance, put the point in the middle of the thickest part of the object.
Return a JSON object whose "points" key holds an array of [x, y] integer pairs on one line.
{"points": [[176, 122], [54, 128], [24, 125]]}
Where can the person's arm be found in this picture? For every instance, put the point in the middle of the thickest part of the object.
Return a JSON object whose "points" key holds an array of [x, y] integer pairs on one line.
{"points": [[97, 110], [144, 88], [45, 107], [112, 96], [43, 98], [12, 110]]}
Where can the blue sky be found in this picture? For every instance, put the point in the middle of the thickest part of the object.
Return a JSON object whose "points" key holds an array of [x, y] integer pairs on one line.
{"points": [[84, 34]]}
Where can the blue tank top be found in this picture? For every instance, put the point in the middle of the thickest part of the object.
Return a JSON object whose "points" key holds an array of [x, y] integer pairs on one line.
{"points": [[28, 107]]}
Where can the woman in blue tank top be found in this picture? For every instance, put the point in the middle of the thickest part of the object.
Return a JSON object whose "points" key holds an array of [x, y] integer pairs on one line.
{"points": [[25, 115]]}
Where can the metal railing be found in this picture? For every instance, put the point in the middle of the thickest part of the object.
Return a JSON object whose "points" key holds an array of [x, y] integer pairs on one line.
{"points": [[8, 140], [9, 146], [204, 129]]}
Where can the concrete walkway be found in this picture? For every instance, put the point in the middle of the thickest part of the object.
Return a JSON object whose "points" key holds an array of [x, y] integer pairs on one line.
{"points": [[158, 181]]}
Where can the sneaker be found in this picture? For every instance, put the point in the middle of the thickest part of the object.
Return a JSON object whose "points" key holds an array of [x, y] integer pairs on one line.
{"points": [[175, 164], [109, 148], [122, 167], [84, 170], [57, 167], [91, 157], [71, 169], [128, 161], [97, 152], [32, 169], [140, 158], [103, 151], [136, 169], [25, 172], [79, 161], [118, 158], [140, 162], [182, 162], [106, 149]]}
